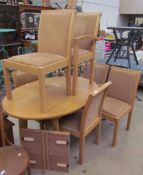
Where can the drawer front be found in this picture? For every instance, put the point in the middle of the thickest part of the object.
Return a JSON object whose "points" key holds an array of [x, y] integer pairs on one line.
{"points": [[58, 163], [36, 162], [32, 142], [58, 142], [57, 145]]}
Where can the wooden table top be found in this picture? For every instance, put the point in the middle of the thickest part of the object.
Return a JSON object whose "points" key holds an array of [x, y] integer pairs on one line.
{"points": [[25, 102]]}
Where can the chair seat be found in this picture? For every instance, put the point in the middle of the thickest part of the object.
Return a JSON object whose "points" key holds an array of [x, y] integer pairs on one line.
{"points": [[13, 160], [82, 52], [71, 123], [115, 108], [38, 59]]}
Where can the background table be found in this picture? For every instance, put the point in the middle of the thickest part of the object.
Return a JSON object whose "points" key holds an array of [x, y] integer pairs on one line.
{"points": [[120, 41], [25, 104]]}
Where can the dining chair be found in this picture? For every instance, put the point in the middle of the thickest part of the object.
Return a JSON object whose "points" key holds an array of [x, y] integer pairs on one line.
{"points": [[101, 72], [54, 52], [14, 159], [82, 122], [85, 35], [120, 98]]}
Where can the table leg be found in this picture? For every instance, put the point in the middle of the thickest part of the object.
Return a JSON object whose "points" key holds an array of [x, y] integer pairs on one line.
{"points": [[111, 54], [119, 49], [135, 57], [22, 124], [55, 124], [128, 57]]}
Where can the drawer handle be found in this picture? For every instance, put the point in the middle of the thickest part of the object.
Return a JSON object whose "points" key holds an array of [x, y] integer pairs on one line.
{"points": [[59, 142], [62, 165], [28, 139], [34, 162]]}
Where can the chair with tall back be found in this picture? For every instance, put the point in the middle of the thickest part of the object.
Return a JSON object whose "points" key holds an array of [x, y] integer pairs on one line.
{"points": [[54, 47], [81, 123], [101, 72], [13, 159], [120, 98], [85, 34]]}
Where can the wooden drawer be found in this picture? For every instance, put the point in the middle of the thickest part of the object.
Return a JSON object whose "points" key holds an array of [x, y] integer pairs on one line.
{"points": [[58, 163], [58, 142], [36, 162], [32, 141]]}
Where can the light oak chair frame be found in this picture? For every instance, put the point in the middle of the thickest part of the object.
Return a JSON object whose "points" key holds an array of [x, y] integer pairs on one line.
{"points": [[116, 120], [84, 130], [77, 59], [40, 72]]}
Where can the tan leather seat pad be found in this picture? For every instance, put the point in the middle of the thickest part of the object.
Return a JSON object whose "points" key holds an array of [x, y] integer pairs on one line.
{"points": [[115, 107], [37, 59]]}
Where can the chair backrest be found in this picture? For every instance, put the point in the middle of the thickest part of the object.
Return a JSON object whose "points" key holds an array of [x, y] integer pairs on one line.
{"points": [[56, 32], [2, 126], [87, 24], [93, 109], [124, 84], [101, 72]]}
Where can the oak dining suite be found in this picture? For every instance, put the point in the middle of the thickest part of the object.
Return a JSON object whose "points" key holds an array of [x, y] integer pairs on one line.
{"points": [[71, 103]]}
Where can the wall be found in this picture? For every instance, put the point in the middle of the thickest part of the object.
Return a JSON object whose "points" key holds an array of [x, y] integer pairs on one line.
{"points": [[109, 9]]}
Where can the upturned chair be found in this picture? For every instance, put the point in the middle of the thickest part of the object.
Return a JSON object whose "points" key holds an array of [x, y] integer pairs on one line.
{"points": [[101, 72], [14, 160], [85, 34], [81, 123], [120, 98], [54, 45]]}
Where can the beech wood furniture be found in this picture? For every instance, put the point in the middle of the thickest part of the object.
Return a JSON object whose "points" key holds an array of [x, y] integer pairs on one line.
{"points": [[85, 34], [120, 98], [14, 160], [53, 52], [81, 123], [26, 104]]}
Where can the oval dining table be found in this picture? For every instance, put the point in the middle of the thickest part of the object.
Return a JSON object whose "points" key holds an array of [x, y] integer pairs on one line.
{"points": [[25, 104]]}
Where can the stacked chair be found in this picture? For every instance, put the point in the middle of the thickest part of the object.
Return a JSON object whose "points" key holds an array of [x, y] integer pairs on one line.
{"points": [[54, 45]]}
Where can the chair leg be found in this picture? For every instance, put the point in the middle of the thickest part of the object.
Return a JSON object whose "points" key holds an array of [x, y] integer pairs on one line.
{"points": [[115, 134], [68, 80], [92, 62], [98, 129], [81, 149], [75, 79], [42, 92], [129, 120]]}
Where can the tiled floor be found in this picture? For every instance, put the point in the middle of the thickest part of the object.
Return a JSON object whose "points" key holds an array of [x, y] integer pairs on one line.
{"points": [[125, 159]]}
